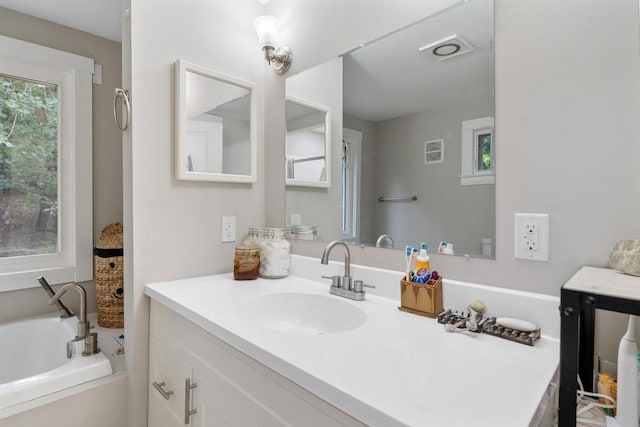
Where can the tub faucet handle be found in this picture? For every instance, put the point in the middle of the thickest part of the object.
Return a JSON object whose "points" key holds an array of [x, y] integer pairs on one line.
{"points": [[91, 344], [71, 349]]}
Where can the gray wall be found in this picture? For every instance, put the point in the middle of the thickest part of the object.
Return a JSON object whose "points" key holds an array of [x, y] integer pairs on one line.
{"points": [[445, 210], [107, 145], [236, 146]]}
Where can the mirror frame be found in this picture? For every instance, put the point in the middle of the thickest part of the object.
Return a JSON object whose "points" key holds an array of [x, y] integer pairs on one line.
{"points": [[327, 145], [181, 68]]}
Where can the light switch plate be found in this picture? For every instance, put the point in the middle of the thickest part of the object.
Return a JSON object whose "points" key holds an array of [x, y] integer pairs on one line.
{"points": [[532, 236]]}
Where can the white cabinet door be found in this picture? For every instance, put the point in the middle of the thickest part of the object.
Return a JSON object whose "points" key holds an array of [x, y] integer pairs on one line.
{"points": [[166, 367], [220, 403]]}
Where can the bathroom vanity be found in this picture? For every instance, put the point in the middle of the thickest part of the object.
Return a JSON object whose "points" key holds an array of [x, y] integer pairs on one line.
{"points": [[276, 352]]}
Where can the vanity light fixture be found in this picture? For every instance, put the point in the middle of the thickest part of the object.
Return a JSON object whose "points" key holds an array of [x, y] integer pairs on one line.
{"points": [[267, 28]]}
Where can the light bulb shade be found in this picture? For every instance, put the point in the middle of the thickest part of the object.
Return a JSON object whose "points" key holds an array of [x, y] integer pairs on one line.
{"points": [[267, 28]]}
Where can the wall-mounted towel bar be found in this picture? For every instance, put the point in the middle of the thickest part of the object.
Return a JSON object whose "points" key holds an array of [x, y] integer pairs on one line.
{"points": [[398, 199], [306, 159]]}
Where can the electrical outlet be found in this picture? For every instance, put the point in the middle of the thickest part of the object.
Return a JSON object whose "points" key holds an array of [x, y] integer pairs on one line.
{"points": [[228, 229], [294, 219], [532, 237]]}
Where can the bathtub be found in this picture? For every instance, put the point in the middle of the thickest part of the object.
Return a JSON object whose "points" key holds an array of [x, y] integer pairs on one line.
{"points": [[33, 360]]}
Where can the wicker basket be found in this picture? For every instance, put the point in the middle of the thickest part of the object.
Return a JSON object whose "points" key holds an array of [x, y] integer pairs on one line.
{"points": [[109, 275]]}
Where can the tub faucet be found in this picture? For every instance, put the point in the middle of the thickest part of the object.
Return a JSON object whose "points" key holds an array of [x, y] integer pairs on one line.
{"points": [[90, 339], [382, 238], [62, 309], [343, 286]]}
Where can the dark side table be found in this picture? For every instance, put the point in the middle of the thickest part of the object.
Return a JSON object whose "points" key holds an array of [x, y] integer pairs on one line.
{"points": [[590, 288]]}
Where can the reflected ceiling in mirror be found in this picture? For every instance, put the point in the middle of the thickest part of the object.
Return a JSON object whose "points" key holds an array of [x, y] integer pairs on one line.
{"points": [[403, 151], [308, 147], [215, 126]]}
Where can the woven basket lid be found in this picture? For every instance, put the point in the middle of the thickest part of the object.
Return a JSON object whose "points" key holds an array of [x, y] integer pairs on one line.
{"points": [[111, 237]]}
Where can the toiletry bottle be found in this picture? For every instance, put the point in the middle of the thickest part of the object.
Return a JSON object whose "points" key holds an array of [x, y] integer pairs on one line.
{"points": [[423, 266]]}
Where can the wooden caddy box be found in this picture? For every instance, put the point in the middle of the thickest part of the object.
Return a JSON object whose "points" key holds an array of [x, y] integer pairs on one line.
{"points": [[423, 299]]}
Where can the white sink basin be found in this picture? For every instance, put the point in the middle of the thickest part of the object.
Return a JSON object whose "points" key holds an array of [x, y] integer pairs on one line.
{"points": [[304, 314]]}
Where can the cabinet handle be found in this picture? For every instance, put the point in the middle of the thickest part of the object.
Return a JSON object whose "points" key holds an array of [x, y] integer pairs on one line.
{"points": [[165, 394], [126, 108], [187, 400]]}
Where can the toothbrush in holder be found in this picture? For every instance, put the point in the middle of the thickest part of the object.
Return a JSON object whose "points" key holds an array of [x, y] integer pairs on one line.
{"points": [[407, 272]]}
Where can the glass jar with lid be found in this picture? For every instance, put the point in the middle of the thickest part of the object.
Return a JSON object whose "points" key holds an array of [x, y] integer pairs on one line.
{"points": [[274, 254], [255, 236], [246, 263]]}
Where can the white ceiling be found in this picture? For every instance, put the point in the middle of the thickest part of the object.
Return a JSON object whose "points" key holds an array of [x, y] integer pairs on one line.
{"points": [[391, 78], [99, 17]]}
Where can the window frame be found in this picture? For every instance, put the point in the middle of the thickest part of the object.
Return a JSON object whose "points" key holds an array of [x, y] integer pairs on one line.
{"points": [[469, 173], [73, 75]]}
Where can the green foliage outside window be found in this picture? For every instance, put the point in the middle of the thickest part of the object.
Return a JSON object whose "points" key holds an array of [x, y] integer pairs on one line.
{"points": [[28, 167], [484, 152]]}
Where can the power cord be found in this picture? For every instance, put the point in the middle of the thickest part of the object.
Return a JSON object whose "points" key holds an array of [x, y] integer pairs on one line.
{"points": [[586, 398]]}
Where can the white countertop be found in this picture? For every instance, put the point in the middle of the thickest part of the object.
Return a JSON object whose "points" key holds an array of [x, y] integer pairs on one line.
{"points": [[395, 369]]}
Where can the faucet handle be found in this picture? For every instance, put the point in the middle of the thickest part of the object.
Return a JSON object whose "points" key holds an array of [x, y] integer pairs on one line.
{"points": [[335, 280], [359, 284], [91, 344], [71, 348]]}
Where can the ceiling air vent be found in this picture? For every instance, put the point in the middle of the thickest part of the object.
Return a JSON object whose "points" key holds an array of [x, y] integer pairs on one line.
{"points": [[448, 47]]}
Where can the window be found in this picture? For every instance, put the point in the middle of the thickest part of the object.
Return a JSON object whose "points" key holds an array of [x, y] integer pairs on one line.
{"points": [[45, 165], [28, 167], [483, 151], [478, 162]]}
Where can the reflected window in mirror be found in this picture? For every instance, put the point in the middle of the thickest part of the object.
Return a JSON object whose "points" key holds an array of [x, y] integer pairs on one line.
{"points": [[308, 145], [215, 126], [402, 113], [477, 162]]}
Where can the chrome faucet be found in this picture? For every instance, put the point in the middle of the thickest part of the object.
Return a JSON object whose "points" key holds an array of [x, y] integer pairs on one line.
{"points": [[343, 285], [90, 339], [62, 309], [382, 238]]}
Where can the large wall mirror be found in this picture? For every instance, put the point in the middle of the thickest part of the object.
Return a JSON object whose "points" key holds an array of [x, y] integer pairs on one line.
{"points": [[414, 152], [308, 145], [215, 126]]}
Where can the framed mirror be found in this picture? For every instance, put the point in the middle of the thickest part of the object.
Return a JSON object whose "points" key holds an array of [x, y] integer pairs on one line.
{"points": [[308, 145], [417, 137], [216, 135]]}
